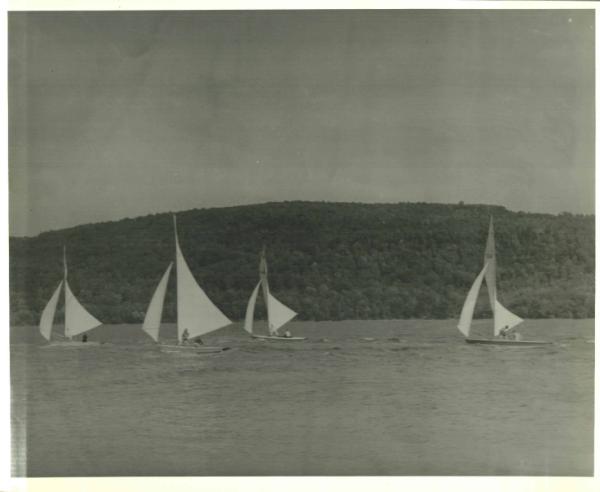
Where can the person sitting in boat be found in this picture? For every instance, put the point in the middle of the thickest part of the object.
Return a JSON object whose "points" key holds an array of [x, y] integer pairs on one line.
{"points": [[287, 334], [184, 337], [504, 332], [84, 338], [517, 336]]}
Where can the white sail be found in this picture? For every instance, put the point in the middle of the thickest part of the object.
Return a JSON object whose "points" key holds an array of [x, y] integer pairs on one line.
{"points": [[503, 318], [77, 319], [466, 315], [154, 314], [195, 311], [47, 318], [279, 314], [249, 320]]}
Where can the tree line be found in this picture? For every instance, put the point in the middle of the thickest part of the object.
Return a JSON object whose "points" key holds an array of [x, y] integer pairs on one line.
{"points": [[327, 261]]}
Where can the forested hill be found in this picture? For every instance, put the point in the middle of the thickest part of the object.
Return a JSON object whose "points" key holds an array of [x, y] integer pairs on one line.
{"points": [[327, 261]]}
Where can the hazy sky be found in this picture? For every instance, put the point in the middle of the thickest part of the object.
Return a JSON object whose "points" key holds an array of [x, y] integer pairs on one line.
{"points": [[124, 114]]}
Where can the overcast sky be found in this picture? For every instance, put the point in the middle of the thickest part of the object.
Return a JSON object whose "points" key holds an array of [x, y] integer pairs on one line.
{"points": [[116, 115]]}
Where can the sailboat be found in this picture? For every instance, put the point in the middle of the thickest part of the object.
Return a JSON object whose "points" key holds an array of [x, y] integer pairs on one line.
{"points": [[504, 320], [278, 313], [77, 319], [196, 314]]}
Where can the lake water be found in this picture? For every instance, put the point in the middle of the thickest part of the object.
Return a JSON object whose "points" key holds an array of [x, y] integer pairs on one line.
{"points": [[417, 400]]}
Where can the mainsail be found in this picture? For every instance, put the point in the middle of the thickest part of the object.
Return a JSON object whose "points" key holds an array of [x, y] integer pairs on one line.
{"points": [[47, 318], [195, 311], [466, 315], [154, 314], [77, 319], [279, 314], [503, 318], [249, 320]]}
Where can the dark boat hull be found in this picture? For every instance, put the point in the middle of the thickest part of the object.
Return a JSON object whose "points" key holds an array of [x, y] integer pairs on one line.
{"points": [[506, 342]]}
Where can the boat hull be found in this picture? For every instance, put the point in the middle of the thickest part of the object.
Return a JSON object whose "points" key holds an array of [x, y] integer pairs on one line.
{"points": [[506, 342], [191, 349], [282, 339], [70, 344]]}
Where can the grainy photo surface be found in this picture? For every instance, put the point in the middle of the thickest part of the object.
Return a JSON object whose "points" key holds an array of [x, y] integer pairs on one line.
{"points": [[256, 243]]}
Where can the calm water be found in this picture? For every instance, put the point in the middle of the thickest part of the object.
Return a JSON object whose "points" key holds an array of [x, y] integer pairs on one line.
{"points": [[415, 401]]}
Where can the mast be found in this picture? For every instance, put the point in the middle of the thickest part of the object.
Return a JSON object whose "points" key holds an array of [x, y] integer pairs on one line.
{"points": [[489, 257], [65, 262], [176, 276], [65, 282], [503, 318], [262, 272]]}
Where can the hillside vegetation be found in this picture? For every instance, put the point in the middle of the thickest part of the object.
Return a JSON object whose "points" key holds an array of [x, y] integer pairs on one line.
{"points": [[327, 261]]}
